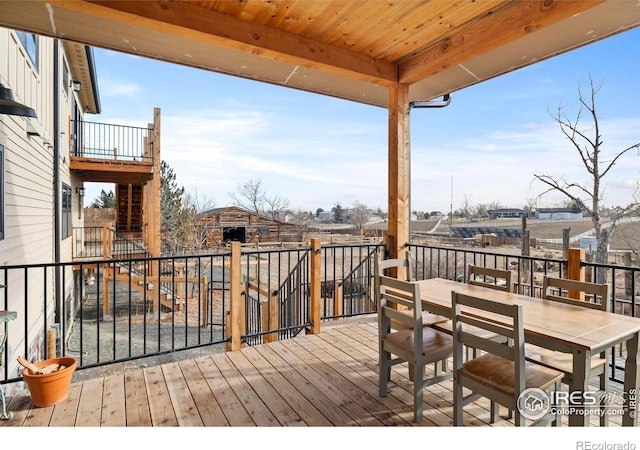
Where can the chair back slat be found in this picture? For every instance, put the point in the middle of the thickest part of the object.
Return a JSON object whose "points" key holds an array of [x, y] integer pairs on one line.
{"points": [[496, 317], [590, 295], [498, 279]]}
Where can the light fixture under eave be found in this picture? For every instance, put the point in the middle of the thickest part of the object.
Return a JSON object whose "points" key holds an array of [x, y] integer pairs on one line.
{"points": [[9, 106], [76, 85]]}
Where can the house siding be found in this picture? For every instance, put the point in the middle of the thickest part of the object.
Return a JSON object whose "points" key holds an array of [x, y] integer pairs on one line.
{"points": [[29, 210]]}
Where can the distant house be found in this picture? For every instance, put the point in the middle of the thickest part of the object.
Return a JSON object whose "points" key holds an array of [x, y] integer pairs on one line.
{"points": [[221, 225], [559, 214], [325, 215], [507, 213]]}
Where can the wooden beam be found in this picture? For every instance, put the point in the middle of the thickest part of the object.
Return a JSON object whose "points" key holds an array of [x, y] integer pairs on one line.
{"points": [[508, 23], [151, 198], [399, 214], [236, 300], [205, 25], [316, 281]]}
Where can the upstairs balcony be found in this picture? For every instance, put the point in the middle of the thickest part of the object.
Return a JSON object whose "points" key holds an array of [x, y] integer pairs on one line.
{"points": [[110, 153]]}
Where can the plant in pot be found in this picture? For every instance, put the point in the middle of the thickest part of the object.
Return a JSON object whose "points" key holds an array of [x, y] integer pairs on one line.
{"points": [[48, 380]]}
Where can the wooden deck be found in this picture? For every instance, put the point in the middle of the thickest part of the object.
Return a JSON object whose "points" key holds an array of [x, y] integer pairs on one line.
{"points": [[329, 379]]}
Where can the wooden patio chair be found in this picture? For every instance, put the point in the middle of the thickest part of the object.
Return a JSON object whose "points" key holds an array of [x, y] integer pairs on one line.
{"points": [[414, 344], [593, 295], [384, 267], [501, 280], [501, 373]]}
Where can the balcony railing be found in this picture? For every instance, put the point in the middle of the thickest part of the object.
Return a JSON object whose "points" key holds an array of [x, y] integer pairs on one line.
{"points": [[111, 142], [124, 309]]}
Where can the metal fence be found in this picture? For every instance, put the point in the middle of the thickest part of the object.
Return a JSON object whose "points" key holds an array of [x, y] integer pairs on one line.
{"points": [[108, 311], [112, 142]]}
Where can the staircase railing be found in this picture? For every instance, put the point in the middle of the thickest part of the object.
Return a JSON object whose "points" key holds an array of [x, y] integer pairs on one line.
{"points": [[125, 248]]}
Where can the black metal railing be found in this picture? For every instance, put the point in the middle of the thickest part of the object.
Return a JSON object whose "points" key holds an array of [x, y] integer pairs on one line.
{"points": [[347, 277], [108, 311], [112, 142], [277, 294], [87, 242]]}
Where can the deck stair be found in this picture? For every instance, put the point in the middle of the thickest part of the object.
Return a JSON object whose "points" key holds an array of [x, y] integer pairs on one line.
{"points": [[138, 271]]}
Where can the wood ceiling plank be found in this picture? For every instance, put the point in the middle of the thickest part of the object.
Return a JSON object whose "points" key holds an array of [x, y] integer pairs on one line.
{"points": [[244, 36], [428, 23], [504, 25], [301, 17], [361, 24]]}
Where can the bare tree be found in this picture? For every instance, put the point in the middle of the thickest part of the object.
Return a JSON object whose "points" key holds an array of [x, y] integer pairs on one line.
{"points": [[302, 220], [466, 206], [192, 237], [587, 141], [360, 216], [249, 196], [274, 207], [252, 197], [187, 236]]}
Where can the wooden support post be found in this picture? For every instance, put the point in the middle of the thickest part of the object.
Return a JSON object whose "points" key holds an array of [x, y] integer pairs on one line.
{"points": [[236, 303], [399, 214], [337, 299], [270, 318], [575, 271], [316, 295], [372, 295], [106, 240]]}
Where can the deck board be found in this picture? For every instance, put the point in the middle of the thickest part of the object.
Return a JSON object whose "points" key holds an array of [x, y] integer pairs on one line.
{"points": [[160, 405], [257, 410], [185, 407], [311, 404], [136, 400], [90, 403], [233, 413], [113, 402], [312, 380], [206, 405]]}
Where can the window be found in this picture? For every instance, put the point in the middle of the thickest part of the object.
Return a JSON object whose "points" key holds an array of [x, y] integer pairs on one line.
{"points": [[30, 43], [1, 192], [66, 211], [66, 82]]}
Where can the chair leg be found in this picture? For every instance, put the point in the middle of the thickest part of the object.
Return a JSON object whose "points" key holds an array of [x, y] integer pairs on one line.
{"points": [[418, 391], [556, 420], [385, 372], [495, 412], [457, 404], [411, 373], [604, 403], [519, 420]]}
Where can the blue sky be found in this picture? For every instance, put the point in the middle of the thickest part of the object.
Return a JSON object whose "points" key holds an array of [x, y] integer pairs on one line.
{"points": [[220, 131]]}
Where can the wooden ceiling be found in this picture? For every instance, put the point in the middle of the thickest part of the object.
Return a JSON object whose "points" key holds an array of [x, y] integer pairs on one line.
{"points": [[349, 49]]}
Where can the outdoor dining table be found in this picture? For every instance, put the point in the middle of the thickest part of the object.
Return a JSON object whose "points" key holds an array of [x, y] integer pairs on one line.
{"points": [[583, 332]]}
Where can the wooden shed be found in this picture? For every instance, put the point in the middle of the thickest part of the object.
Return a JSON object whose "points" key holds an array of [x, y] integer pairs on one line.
{"points": [[232, 223]]}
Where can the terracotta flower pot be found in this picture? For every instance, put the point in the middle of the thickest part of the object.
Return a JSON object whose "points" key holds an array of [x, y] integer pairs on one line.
{"points": [[51, 388]]}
